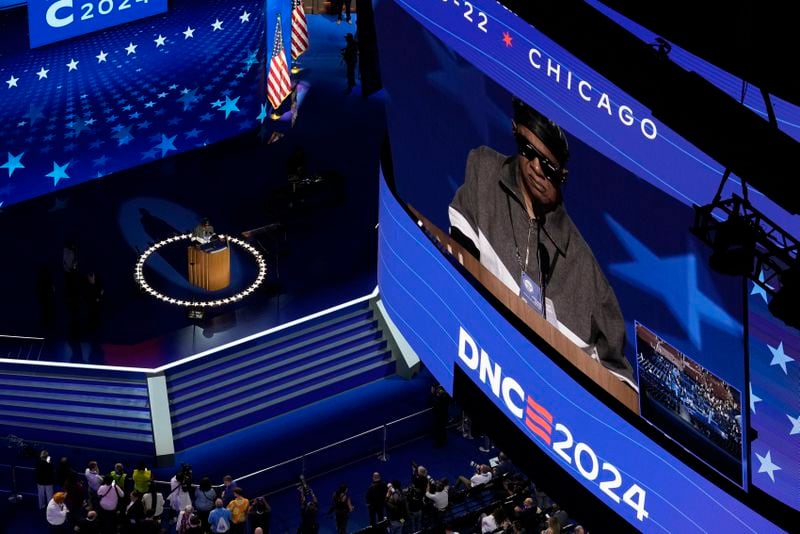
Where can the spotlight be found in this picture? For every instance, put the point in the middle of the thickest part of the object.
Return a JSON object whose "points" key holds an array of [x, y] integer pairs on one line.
{"points": [[784, 304], [734, 247]]}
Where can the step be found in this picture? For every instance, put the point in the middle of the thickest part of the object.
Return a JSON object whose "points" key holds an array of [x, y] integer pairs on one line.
{"points": [[263, 352], [96, 433], [54, 383], [77, 421], [89, 400], [293, 365], [143, 414], [345, 381], [270, 341], [301, 402], [261, 393]]}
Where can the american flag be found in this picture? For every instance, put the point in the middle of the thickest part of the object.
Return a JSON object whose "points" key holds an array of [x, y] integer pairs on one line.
{"points": [[279, 86], [299, 29]]}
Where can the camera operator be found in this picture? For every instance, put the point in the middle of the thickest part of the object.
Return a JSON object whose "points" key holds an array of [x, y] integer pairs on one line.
{"points": [[483, 474], [180, 495], [396, 507], [436, 493], [309, 508], [416, 494]]}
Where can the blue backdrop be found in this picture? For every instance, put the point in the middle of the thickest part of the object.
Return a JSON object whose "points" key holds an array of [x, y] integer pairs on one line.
{"points": [[110, 100]]}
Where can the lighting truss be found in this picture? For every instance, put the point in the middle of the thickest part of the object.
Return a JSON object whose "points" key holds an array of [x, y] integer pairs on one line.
{"points": [[775, 250]]}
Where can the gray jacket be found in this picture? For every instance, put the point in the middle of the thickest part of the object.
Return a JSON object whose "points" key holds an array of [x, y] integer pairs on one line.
{"points": [[489, 210]]}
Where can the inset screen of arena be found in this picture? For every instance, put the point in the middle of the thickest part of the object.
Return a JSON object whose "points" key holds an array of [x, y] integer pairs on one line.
{"points": [[694, 407]]}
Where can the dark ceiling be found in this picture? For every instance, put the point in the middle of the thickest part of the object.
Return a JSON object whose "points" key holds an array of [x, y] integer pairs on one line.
{"points": [[738, 39]]}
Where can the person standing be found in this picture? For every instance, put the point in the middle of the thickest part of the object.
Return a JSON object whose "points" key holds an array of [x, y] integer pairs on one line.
{"points": [[259, 515], [339, 4], [44, 479], [204, 497], [396, 507], [350, 58], [376, 499], [93, 481], [57, 512], [341, 507], [219, 518], [440, 402], [238, 508], [141, 478]]}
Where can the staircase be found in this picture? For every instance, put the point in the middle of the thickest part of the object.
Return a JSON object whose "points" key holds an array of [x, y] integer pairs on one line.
{"points": [[77, 407], [272, 375]]}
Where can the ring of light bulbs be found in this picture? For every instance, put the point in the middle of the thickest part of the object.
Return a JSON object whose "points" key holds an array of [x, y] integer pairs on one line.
{"points": [[140, 279]]}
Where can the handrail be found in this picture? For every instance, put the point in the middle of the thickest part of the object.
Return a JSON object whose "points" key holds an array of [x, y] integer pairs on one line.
{"points": [[162, 368], [315, 451]]}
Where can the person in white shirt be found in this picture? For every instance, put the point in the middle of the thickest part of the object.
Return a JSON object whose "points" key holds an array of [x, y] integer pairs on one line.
{"points": [[153, 500], [482, 475], [56, 509], [93, 480], [438, 495]]}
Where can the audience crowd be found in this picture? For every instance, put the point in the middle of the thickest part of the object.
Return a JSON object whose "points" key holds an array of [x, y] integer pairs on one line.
{"points": [[496, 499]]}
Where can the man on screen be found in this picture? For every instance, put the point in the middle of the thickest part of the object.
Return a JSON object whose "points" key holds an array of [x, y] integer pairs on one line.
{"points": [[510, 214]]}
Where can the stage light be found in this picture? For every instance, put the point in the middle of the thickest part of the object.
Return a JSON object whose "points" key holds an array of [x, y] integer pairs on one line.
{"points": [[142, 282], [784, 305], [734, 247]]}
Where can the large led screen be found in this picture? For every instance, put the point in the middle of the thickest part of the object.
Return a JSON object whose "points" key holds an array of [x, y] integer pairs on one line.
{"points": [[103, 101], [454, 76]]}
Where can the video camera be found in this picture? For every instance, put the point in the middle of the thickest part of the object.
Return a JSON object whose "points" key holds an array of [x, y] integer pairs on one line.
{"points": [[305, 489]]}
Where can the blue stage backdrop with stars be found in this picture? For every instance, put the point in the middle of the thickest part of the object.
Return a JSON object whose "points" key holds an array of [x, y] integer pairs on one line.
{"points": [[95, 104], [629, 196]]}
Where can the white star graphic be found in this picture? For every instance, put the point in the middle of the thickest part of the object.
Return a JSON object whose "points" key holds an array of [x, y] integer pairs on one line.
{"points": [[72, 65], [753, 399], [779, 357], [42, 73], [217, 25], [189, 33], [795, 424], [12, 82], [131, 49], [101, 57], [757, 289], [767, 466], [245, 17], [159, 40]]}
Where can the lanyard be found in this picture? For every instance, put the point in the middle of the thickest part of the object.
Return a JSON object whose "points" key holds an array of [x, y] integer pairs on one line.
{"points": [[524, 266]]}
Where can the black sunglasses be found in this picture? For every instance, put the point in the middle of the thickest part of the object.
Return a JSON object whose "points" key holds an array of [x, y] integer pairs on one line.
{"points": [[551, 172]]}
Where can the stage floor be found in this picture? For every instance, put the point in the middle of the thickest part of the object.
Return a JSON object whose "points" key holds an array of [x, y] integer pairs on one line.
{"points": [[323, 253]]}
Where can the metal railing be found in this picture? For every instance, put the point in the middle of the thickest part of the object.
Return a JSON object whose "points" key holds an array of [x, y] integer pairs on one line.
{"points": [[21, 347], [375, 442]]}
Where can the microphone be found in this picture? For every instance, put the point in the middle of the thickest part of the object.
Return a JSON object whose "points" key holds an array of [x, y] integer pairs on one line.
{"points": [[543, 258]]}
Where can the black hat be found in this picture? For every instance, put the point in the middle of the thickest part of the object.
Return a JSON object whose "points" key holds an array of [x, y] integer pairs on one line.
{"points": [[548, 131]]}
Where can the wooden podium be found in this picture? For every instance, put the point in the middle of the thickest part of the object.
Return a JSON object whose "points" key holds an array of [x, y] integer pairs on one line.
{"points": [[570, 354], [210, 268]]}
